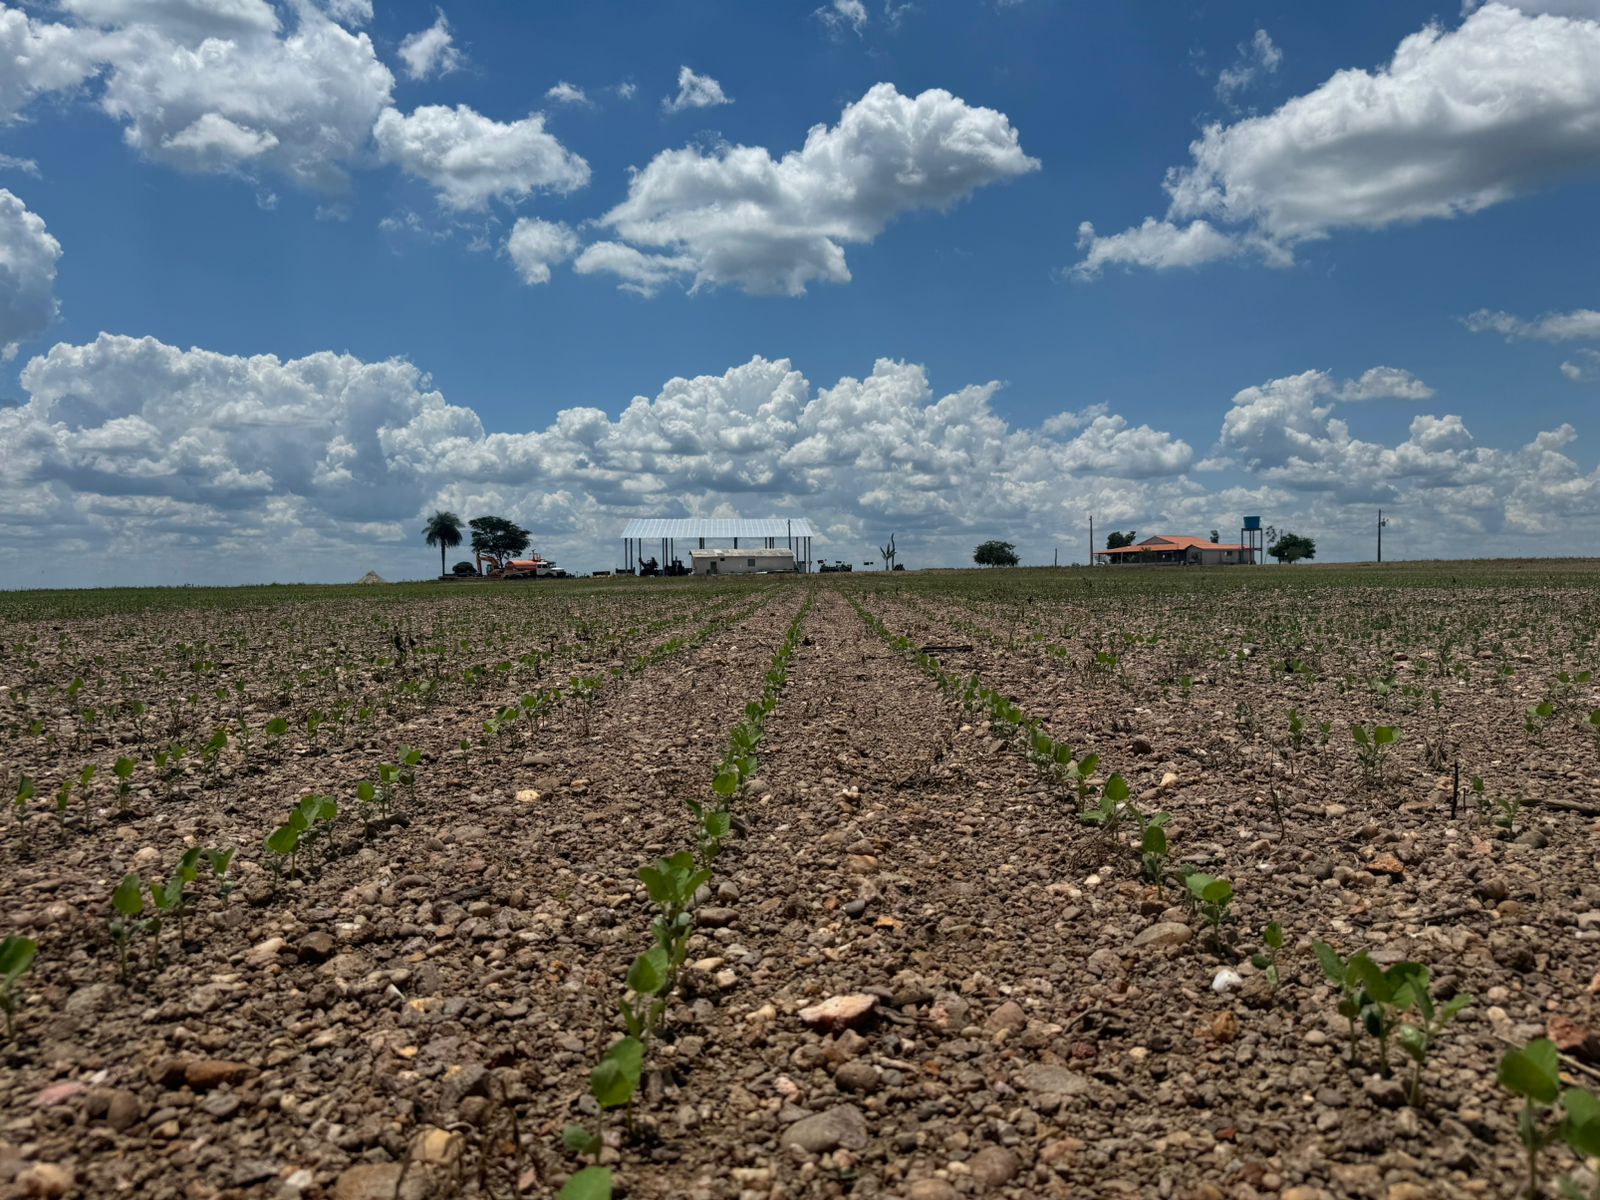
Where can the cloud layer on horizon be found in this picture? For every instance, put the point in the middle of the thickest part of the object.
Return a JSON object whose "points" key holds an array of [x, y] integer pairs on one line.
{"points": [[129, 449]]}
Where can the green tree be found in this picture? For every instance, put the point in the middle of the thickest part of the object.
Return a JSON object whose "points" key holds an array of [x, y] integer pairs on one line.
{"points": [[498, 539], [1291, 547], [444, 531], [1216, 536], [996, 554], [1116, 539]]}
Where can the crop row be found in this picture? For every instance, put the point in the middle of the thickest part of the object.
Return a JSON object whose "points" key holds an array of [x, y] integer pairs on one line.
{"points": [[675, 884], [1395, 1006], [141, 909]]}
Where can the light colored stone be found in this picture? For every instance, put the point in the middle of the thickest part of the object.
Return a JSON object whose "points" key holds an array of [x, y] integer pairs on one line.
{"points": [[840, 1126], [437, 1147], [839, 1012], [47, 1180], [1008, 1016], [1163, 933], [377, 1181], [1168, 781], [1053, 1080], [994, 1166], [931, 1189]]}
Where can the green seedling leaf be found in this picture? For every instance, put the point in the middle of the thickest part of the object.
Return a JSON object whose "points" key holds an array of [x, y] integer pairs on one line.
{"points": [[649, 972], [16, 956], [1272, 935], [1581, 1128], [1532, 1071], [580, 1141], [591, 1183], [615, 1078], [283, 840], [128, 899]]}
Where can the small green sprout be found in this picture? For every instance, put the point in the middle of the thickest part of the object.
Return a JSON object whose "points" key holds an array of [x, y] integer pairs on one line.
{"points": [[1267, 960], [128, 903], [1533, 1073], [1153, 852], [16, 960], [123, 769], [1372, 748], [1213, 895], [1417, 1039]]}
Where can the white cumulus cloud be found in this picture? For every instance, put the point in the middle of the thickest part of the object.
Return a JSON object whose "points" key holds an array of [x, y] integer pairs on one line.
{"points": [[1260, 57], [28, 256], [695, 91], [137, 454], [1459, 119], [736, 215], [536, 246], [431, 51], [1578, 325], [567, 93], [471, 159], [37, 57]]}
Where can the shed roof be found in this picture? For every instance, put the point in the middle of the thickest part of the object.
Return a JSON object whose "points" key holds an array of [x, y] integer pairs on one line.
{"points": [[743, 552], [717, 527]]}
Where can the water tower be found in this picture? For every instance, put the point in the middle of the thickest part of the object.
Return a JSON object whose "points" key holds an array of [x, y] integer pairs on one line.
{"points": [[1254, 540]]}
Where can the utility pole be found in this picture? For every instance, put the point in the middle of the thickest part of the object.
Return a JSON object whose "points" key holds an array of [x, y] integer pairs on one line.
{"points": [[1381, 524], [1091, 539]]}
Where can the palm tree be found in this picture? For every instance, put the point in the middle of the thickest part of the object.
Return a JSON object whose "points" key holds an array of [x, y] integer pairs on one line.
{"points": [[444, 531]]}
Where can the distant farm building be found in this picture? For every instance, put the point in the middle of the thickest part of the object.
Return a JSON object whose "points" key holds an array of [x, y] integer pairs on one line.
{"points": [[759, 561], [1178, 550], [660, 546]]}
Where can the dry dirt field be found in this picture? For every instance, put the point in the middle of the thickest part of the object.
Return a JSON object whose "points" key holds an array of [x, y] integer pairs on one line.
{"points": [[937, 954]]}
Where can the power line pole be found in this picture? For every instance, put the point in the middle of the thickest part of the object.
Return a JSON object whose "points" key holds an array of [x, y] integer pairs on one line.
{"points": [[1381, 524], [1091, 539]]}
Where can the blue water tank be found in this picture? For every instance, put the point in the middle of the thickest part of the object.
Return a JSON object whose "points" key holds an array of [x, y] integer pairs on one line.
{"points": [[1252, 522]]}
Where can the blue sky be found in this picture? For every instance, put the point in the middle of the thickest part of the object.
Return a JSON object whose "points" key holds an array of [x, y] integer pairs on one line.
{"points": [[1338, 258]]}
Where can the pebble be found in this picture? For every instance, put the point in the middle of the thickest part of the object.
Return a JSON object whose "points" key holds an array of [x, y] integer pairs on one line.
{"points": [[1386, 864], [378, 1181], [1008, 1016], [46, 1180], [856, 1076], [1226, 981], [315, 947], [994, 1166], [839, 1012], [1163, 933], [714, 917], [931, 1189], [840, 1126], [122, 1110]]}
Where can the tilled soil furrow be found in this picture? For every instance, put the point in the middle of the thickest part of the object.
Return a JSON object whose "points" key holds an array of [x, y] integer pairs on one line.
{"points": [[473, 954]]}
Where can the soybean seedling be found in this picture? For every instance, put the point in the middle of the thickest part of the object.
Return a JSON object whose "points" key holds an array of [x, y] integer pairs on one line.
{"points": [[1417, 1039], [1372, 748], [128, 904], [1113, 804], [1338, 970], [1533, 1073], [123, 769], [1213, 895], [591, 1183], [16, 959], [1386, 994], [1266, 961], [1153, 852], [613, 1083]]}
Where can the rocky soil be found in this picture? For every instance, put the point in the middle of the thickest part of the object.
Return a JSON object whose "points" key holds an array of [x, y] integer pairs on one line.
{"points": [[917, 973]]}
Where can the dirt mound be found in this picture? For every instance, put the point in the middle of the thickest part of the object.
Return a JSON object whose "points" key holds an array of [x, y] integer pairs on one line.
{"points": [[371, 577]]}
